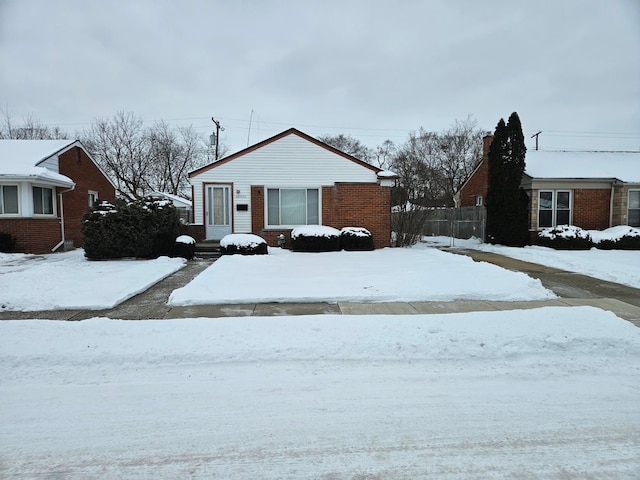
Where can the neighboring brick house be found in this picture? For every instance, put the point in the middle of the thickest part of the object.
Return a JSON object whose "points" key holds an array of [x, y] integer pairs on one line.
{"points": [[289, 180], [45, 188], [592, 190]]}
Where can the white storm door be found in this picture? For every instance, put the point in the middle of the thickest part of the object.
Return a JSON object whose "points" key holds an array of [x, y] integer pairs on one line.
{"points": [[218, 211]]}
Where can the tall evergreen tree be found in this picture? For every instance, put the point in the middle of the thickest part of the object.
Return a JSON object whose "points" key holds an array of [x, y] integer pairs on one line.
{"points": [[506, 200]]}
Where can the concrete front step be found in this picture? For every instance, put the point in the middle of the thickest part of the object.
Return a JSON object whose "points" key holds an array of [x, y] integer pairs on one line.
{"points": [[207, 250]]}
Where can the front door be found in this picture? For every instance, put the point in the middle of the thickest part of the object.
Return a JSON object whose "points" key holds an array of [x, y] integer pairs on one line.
{"points": [[218, 211]]}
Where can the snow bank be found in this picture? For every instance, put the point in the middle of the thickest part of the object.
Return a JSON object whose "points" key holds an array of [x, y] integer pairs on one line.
{"points": [[582, 337], [241, 240]]}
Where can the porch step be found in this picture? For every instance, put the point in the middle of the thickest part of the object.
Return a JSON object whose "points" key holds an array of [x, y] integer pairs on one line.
{"points": [[208, 249]]}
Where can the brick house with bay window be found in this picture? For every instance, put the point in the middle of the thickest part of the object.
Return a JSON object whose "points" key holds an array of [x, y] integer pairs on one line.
{"points": [[593, 190], [45, 189], [288, 180]]}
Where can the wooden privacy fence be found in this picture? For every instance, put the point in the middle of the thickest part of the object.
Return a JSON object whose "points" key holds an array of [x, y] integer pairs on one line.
{"points": [[463, 222]]}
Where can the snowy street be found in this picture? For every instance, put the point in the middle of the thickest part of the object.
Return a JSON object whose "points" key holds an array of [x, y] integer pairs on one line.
{"points": [[544, 393]]}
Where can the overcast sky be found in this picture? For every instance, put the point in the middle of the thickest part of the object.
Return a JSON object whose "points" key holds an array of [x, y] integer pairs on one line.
{"points": [[371, 69]]}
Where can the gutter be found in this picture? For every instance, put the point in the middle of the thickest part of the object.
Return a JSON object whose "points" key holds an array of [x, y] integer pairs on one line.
{"points": [[62, 218]]}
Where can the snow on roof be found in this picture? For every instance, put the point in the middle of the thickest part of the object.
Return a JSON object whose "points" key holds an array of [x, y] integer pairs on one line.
{"points": [[19, 158], [624, 166], [387, 174], [177, 200]]}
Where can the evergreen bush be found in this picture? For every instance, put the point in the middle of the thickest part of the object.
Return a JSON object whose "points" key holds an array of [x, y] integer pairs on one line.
{"points": [[144, 228], [184, 247], [243, 244], [626, 242], [356, 239], [565, 237], [7, 243], [315, 238]]}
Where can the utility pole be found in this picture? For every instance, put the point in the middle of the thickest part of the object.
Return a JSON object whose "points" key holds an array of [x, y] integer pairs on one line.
{"points": [[536, 135], [217, 134]]}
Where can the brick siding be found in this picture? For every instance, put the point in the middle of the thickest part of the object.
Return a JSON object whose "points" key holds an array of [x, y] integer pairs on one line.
{"points": [[478, 183], [76, 165], [591, 208], [33, 235], [365, 205]]}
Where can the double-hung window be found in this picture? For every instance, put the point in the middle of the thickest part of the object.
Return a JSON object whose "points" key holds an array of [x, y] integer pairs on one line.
{"points": [[43, 200], [554, 208], [8, 200], [293, 206], [633, 210]]}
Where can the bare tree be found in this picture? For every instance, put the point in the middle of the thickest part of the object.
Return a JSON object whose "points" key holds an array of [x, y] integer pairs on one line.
{"points": [[432, 167], [175, 153], [121, 146], [349, 145], [384, 153], [29, 129]]}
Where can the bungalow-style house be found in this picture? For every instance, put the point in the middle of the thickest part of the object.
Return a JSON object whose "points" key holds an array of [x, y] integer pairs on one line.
{"points": [[45, 188], [183, 206], [289, 180], [592, 190]]}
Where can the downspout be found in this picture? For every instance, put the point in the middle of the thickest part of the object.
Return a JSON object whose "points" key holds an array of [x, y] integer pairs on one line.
{"points": [[613, 186], [62, 219]]}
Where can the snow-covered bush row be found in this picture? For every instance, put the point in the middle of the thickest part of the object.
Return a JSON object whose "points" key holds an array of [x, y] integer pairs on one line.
{"points": [[356, 238], [570, 237], [315, 238], [320, 238], [244, 244]]}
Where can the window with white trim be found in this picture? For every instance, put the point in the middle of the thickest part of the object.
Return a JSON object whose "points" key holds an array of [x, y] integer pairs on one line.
{"points": [[293, 206], [9, 200], [554, 208], [93, 198], [633, 209], [43, 201]]}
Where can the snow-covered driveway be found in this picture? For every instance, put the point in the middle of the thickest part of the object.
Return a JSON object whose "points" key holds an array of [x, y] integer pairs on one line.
{"points": [[545, 393]]}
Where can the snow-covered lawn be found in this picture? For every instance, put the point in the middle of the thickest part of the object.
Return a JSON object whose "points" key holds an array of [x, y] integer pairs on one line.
{"points": [[544, 393], [390, 274], [69, 281], [618, 266]]}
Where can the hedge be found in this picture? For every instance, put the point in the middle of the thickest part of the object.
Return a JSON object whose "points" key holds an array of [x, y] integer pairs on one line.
{"points": [[144, 228]]}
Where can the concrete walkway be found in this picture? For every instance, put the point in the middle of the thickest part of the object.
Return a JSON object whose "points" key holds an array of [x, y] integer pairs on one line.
{"points": [[574, 290]]}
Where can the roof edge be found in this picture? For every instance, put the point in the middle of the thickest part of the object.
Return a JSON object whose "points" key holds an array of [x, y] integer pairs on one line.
{"points": [[290, 131]]}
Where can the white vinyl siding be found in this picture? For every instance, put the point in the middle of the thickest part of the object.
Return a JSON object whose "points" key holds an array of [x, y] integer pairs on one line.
{"points": [[290, 162]]}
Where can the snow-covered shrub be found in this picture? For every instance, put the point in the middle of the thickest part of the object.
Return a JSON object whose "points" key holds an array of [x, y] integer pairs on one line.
{"points": [[565, 237], [244, 244], [315, 238], [621, 237], [356, 238], [144, 228], [7, 243], [184, 247]]}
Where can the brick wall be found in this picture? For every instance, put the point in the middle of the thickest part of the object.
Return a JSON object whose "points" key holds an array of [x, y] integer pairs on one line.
{"points": [[365, 205], [478, 183], [591, 208], [76, 165], [33, 235]]}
